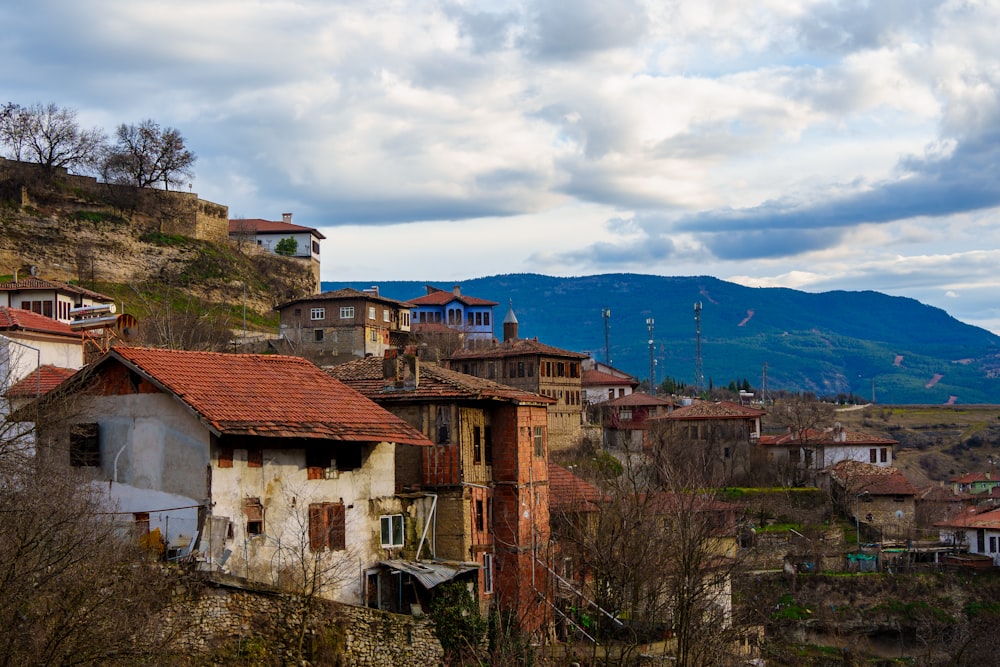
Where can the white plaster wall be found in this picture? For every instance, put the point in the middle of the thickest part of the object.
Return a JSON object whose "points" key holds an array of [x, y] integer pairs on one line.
{"points": [[176, 516], [159, 444], [285, 492], [835, 454]]}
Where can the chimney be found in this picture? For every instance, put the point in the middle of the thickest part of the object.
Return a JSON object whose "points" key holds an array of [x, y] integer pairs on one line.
{"points": [[510, 324], [400, 371], [286, 218], [371, 290], [457, 290]]}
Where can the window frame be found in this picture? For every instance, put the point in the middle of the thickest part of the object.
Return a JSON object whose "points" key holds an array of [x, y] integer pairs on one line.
{"points": [[318, 313], [347, 312], [85, 445], [393, 527], [539, 441], [487, 573]]}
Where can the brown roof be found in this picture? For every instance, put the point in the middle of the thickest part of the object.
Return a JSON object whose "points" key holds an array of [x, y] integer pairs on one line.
{"points": [[568, 492], [440, 297], [971, 477], [16, 319], [709, 410], [258, 226], [970, 518], [638, 399], [436, 383], [34, 283], [595, 378], [265, 395], [39, 382], [857, 477], [516, 347], [826, 437], [341, 294]]}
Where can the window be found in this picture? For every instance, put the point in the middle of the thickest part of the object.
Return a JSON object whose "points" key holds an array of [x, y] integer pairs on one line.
{"points": [[327, 526], [441, 423], [47, 308], [141, 523], [531, 370], [317, 313], [520, 369], [487, 573], [873, 456], [392, 530], [611, 394], [385, 315], [371, 312], [511, 370], [725, 452], [479, 319], [486, 319], [560, 369], [318, 335], [539, 441], [469, 320], [254, 511], [373, 335], [625, 413], [255, 458], [315, 247], [318, 462], [480, 515], [477, 445], [297, 312], [84, 445], [993, 544], [883, 455], [347, 312], [225, 457], [488, 446]]}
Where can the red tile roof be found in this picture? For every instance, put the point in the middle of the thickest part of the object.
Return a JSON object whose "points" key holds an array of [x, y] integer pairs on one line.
{"points": [[709, 410], [16, 319], [594, 378], [39, 382], [638, 399], [440, 297], [516, 347], [972, 477], [344, 294], [436, 383], [266, 395], [42, 284], [970, 518], [567, 492], [857, 477], [258, 226]]}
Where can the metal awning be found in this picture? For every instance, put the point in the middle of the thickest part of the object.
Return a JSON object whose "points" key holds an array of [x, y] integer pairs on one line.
{"points": [[430, 573]]}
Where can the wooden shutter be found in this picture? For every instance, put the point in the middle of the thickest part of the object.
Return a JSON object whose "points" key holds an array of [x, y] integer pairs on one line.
{"points": [[255, 458], [225, 457], [337, 526], [317, 527]]}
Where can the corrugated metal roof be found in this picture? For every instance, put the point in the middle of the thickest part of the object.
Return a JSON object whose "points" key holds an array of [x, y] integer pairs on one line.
{"points": [[431, 573]]}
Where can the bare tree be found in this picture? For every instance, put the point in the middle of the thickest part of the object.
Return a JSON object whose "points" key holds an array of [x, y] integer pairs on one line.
{"points": [[49, 135], [802, 413], [145, 155], [75, 587]]}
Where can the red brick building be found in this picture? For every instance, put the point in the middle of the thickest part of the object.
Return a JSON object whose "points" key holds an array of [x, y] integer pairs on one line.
{"points": [[488, 469]]}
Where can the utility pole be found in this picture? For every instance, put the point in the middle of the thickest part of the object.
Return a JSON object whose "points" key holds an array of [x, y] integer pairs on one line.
{"points": [[606, 314], [652, 368], [699, 369]]}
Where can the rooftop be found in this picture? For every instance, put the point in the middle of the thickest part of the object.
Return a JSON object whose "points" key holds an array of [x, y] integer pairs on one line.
{"points": [[347, 293], [710, 410], [258, 226], [17, 319], [857, 477], [595, 378], [33, 283], [831, 436], [39, 382], [567, 492], [264, 395], [440, 297], [516, 347]]}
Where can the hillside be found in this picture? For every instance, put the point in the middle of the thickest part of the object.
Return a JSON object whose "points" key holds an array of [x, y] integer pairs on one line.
{"points": [[828, 343]]}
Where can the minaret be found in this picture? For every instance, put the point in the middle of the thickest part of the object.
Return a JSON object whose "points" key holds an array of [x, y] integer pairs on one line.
{"points": [[510, 324]]}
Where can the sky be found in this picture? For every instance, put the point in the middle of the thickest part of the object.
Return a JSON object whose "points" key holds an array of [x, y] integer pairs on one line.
{"points": [[807, 144]]}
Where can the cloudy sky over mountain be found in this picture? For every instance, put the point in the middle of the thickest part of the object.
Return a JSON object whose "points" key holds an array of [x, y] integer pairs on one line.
{"points": [[808, 144]]}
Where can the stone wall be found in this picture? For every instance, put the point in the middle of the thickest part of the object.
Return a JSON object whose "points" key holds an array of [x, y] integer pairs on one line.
{"points": [[227, 620]]}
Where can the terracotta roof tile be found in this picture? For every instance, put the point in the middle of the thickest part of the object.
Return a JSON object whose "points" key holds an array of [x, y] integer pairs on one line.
{"points": [[516, 347], [972, 477], [40, 381], [266, 395], [440, 297], [16, 319], [567, 492], [342, 294], [34, 283], [638, 399], [859, 477], [709, 410], [258, 226], [970, 518], [595, 378], [826, 437], [436, 383]]}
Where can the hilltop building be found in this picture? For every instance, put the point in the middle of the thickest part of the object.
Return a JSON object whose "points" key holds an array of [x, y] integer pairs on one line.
{"points": [[266, 234], [602, 382], [801, 455], [452, 320]]}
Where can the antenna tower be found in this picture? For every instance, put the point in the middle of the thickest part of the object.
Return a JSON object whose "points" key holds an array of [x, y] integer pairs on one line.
{"points": [[699, 369], [765, 398], [606, 314]]}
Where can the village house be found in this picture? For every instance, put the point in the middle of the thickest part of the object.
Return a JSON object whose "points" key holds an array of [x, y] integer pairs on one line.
{"points": [[602, 382], [267, 234], [48, 298], [29, 341], [977, 530], [255, 465], [880, 499], [974, 483], [487, 471], [626, 420], [719, 438], [801, 455], [345, 324], [527, 364], [468, 318]]}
